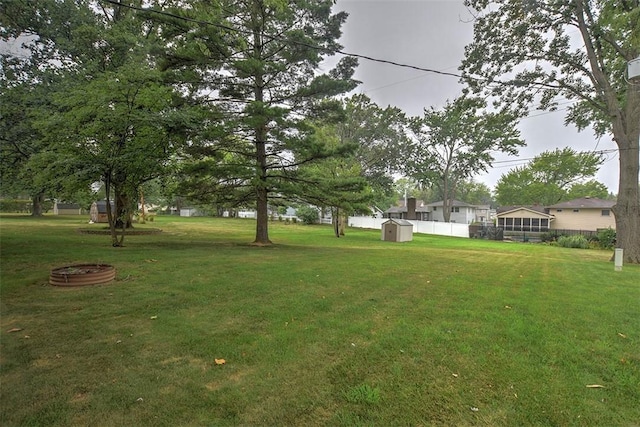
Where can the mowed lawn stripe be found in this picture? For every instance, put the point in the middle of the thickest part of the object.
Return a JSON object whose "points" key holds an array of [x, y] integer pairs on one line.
{"points": [[314, 330]]}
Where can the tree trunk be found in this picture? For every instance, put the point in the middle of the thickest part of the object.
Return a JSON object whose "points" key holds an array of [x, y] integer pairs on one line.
{"points": [[262, 217], [36, 206], [262, 190], [626, 133], [627, 207], [446, 201], [338, 221], [124, 214]]}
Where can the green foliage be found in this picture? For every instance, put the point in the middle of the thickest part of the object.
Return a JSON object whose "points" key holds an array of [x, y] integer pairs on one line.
{"points": [[529, 55], [592, 188], [379, 135], [21, 205], [265, 92], [551, 177], [574, 241], [108, 114], [307, 214], [607, 238], [453, 144]]}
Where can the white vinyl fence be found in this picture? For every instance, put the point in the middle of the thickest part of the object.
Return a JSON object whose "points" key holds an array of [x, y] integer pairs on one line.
{"points": [[424, 227]]}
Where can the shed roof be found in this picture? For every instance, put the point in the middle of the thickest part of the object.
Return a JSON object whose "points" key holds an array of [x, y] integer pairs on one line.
{"points": [[68, 206], [399, 222]]}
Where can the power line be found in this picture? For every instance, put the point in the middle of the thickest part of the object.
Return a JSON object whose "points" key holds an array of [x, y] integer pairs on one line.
{"points": [[299, 43]]}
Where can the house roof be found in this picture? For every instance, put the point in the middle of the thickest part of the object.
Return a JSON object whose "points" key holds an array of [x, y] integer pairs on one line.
{"points": [[396, 209], [585, 203], [403, 209], [453, 203], [524, 208], [534, 208]]}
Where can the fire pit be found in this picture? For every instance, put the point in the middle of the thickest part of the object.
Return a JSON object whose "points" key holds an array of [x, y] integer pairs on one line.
{"points": [[82, 275]]}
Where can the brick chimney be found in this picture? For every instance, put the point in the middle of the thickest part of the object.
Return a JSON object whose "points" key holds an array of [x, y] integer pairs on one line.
{"points": [[411, 208]]}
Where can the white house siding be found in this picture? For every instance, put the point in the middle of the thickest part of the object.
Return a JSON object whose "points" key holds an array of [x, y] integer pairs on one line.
{"points": [[584, 219], [466, 215]]}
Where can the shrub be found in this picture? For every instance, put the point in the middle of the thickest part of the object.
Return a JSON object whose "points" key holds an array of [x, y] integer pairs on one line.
{"points": [[307, 214], [576, 241], [607, 238]]}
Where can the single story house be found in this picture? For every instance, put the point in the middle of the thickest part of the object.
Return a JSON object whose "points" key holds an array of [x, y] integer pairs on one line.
{"points": [[583, 214], [523, 218], [587, 214]]}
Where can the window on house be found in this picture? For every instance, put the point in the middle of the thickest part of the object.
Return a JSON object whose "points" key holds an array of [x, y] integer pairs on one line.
{"points": [[576, 210], [544, 224], [526, 224], [435, 208], [535, 224], [606, 212], [455, 209], [558, 210], [500, 222], [509, 224]]}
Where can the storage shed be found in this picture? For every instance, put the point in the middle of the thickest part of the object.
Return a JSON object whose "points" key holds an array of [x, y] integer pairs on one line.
{"points": [[98, 211], [397, 230], [67, 209]]}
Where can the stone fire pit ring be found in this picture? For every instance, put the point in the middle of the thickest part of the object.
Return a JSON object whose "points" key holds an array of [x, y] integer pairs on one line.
{"points": [[82, 275]]}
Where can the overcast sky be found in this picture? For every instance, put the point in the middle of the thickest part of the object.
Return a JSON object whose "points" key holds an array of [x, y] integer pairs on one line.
{"points": [[432, 34]]}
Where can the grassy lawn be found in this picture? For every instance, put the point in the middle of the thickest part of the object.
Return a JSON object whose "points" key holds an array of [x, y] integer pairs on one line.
{"points": [[314, 330]]}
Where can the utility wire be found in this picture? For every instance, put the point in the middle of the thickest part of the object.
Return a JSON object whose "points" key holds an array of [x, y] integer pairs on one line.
{"points": [[299, 43], [310, 46]]}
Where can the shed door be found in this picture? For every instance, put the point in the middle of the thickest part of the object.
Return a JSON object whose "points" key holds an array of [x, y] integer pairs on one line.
{"points": [[392, 233]]}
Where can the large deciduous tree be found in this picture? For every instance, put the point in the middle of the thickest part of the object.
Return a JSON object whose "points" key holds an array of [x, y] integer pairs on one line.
{"points": [[551, 177], [21, 142], [379, 134], [337, 182], [263, 85], [455, 143], [545, 52], [112, 115]]}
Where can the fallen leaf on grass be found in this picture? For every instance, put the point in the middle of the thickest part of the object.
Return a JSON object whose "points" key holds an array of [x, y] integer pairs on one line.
{"points": [[219, 361], [474, 409], [595, 386], [153, 317], [14, 330], [621, 335]]}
